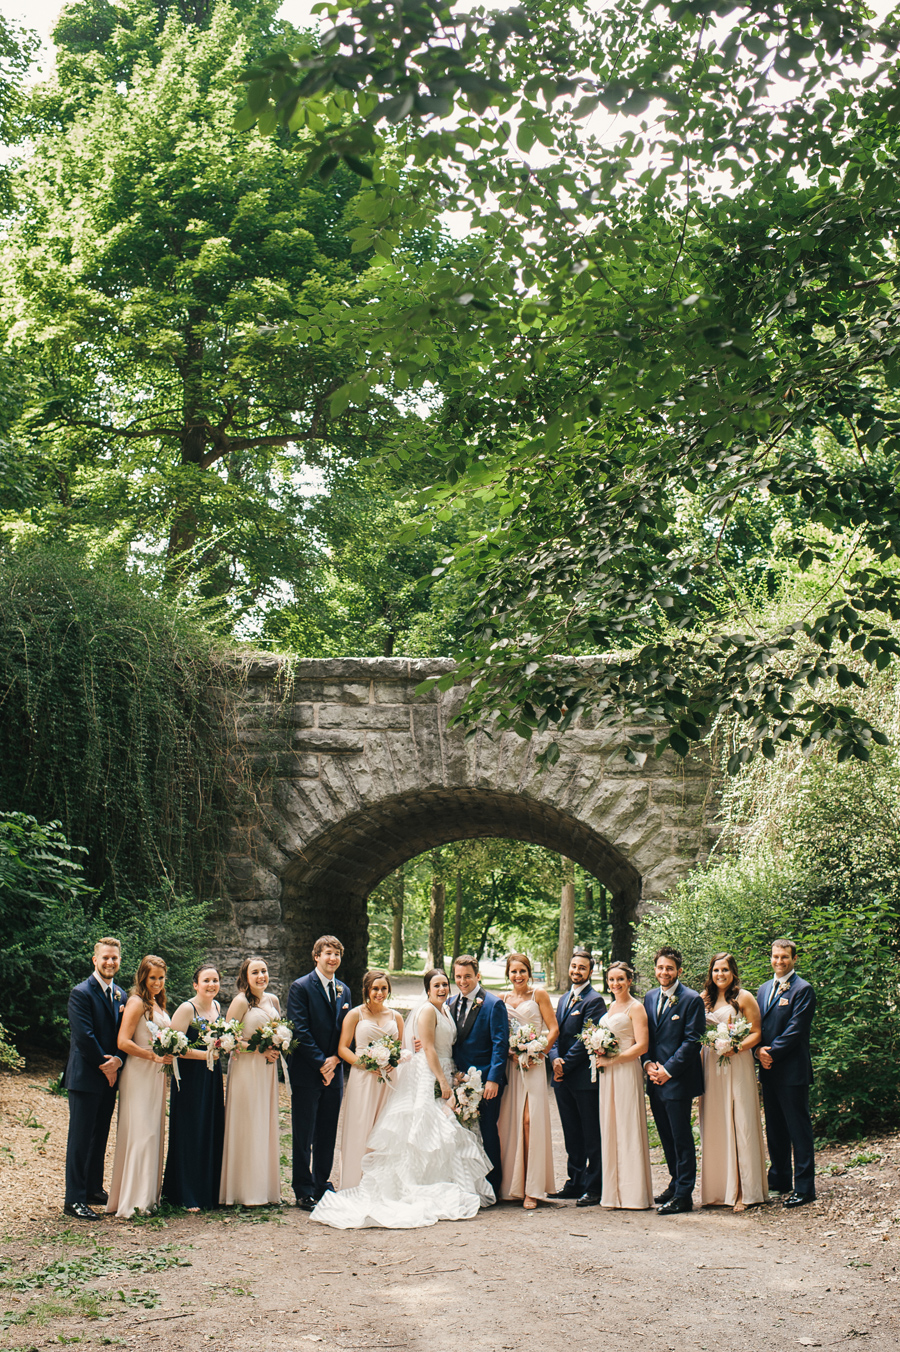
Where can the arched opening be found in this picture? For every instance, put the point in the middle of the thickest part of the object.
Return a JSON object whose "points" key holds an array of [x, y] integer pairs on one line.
{"points": [[326, 889]]}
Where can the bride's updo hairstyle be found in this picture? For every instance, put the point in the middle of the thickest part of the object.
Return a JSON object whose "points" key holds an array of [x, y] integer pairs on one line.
{"points": [[621, 967], [523, 959], [369, 981], [431, 974], [140, 983]]}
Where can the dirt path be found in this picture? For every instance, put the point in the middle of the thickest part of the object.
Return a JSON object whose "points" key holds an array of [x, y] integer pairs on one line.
{"points": [[824, 1276]]}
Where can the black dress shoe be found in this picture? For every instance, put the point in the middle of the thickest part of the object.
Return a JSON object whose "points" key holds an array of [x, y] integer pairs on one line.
{"points": [[675, 1206], [588, 1199], [665, 1196], [567, 1193], [799, 1199], [80, 1211], [99, 1198], [306, 1203]]}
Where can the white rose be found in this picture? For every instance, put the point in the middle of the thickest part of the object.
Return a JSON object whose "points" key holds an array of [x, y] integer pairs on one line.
{"points": [[283, 1034], [228, 1042], [722, 1045], [381, 1055]]}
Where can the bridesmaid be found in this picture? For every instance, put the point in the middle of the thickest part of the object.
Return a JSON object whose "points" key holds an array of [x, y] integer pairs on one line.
{"points": [[625, 1143], [526, 1150], [250, 1157], [197, 1109], [141, 1128], [364, 1097], [733, 1163]]}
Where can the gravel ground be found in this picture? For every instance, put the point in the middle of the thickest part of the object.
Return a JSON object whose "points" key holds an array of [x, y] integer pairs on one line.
{"points": [[823, 1276]]}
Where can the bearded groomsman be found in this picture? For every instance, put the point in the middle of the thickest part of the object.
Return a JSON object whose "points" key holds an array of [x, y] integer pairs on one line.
{"points": [[317, 1005], [90, 1076], [577, 1095], [677, 1019], [787, 1004]]}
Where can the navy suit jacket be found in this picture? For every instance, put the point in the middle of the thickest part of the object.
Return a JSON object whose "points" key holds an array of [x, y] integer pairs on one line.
{"points": [[589, 1005], [94, 1030], [675, 1042], [484, 1040], [316, 1029], [785, 1031]]}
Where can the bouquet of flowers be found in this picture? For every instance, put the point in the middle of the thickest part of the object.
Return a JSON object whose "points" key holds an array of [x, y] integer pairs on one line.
{"points": [[726, 1037], [598, 1040], [526, 1044], [168, 1042], [218, 1037], [382, 1057], [466, 1096], [275, 1032]]}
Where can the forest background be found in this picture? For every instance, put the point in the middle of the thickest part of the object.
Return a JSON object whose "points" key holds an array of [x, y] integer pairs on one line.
{"points": [[504, 336]]}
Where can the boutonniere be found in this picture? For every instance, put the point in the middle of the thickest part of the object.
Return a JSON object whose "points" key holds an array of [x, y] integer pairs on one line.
{"points": [[575, 1000], [672, 1000], [479, 1001]]}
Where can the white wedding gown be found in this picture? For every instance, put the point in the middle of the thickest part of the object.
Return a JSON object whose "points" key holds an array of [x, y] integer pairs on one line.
{"points": [[422, 1166]]}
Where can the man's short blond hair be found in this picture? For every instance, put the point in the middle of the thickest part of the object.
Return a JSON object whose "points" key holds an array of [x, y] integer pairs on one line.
{"points": [[107, 943]]}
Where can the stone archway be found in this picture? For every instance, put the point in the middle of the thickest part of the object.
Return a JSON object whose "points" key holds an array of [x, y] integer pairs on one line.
{"points": [[340, 868], [357, 773]]}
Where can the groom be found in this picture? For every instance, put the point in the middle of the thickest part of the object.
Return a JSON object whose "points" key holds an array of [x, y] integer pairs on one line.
{"points": [[482, 1042], [787, 1004], [317, 1005], [677, 1019], [95, 1012]]}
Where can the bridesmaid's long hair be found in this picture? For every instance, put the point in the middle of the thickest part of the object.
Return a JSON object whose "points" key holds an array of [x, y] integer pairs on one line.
{"points": [[243, 983], [369, 980], [711, 990], [523, 959], [140, 983]]}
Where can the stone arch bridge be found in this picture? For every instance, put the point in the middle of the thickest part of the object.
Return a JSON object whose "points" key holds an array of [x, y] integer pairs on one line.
{"points": [[354, 773]]}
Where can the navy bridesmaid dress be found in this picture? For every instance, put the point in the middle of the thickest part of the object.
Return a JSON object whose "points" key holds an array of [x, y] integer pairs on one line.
{"points": [[196, 1132]]}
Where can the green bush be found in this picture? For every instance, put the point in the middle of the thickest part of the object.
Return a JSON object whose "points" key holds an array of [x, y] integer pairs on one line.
{"points": [[50, 919], [9, 1057], [844, 950]]}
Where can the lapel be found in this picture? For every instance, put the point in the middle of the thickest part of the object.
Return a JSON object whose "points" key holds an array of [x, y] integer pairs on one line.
{"points": [[651, 1011], [471, 1013], [338, 993], [101, 998], [562, 1008]]}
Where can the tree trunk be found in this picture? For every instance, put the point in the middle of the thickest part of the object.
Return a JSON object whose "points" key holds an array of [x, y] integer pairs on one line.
{"points": [[566, 926], [457, 919], [435, 956], [396, 956]]}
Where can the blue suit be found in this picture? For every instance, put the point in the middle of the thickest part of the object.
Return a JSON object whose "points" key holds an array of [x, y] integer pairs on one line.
{"points": [[675, 1043], [483, 1043], [315, 1106], [94, 1028], [786, 1023], [577, 1096]]}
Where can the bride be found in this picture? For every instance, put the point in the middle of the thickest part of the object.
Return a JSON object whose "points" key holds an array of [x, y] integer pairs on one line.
{"points": [[422, 1165]]}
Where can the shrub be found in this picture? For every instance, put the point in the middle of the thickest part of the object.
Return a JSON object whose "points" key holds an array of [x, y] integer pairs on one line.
{"points": [[844, 950], [50, 918]]}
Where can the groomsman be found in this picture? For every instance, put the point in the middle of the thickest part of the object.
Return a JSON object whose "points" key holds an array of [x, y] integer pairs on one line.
{"points": [[677, 1019], [577, 1096], [787, 1004], [482, 1042], [317, 1005], [95, 1012]]}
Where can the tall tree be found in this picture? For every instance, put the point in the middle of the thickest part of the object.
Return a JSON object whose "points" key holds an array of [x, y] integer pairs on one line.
{"points": [[675, 313], [181, 298]]}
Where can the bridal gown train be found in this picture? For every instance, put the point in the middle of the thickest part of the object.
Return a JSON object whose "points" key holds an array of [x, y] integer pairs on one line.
{"points": [[422, 1166]]}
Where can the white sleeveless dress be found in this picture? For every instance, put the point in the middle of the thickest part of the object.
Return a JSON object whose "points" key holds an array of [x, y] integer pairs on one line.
{"points": [[422, 1166]]}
